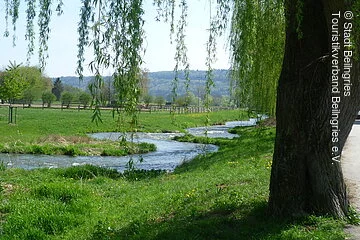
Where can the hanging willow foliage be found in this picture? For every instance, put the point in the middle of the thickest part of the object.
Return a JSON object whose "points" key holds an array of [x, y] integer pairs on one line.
{"points": [[30, 33], [257, 42], [181, 59], [114, 29], [117, 39], [166, 13], [217, 26], [44, 30]]}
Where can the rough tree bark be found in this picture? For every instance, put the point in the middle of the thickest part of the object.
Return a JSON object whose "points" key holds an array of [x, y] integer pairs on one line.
{"points": [[305, 178]]}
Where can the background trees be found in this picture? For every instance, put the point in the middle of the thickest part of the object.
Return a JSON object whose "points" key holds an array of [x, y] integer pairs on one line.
{"points": [[57, 89], [159, 100], [85, 99], [37, 84], [66, 99], [48, 98], [12, 83], [23, 83]]}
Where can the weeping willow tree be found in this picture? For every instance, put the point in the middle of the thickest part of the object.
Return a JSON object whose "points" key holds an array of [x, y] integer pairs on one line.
{"points": [[305, 178], [257, 44]]}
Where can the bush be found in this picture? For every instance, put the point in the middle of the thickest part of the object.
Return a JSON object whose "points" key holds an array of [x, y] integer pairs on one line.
{"points": [[47, 98], [66, 99], [85, 99]]}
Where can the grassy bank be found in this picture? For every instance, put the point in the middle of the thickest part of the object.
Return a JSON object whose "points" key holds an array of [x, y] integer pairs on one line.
{"points": [[221, 195], [55, 131], [77, 146]]}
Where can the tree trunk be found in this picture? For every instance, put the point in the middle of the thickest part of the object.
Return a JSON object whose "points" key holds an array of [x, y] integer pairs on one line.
{"points": [[306, 175]]}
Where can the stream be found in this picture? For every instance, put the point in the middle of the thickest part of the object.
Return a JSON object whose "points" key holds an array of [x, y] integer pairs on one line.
{"points": [[168, 155]]}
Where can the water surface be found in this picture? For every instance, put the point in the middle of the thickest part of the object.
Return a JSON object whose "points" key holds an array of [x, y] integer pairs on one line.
{"points": [[168, 155]]}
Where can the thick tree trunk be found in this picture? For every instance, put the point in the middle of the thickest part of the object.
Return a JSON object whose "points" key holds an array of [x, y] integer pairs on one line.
{"points": [[306, 176]]}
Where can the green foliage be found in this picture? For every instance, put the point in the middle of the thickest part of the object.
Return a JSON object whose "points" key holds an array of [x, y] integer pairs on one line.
{"points": [[57, 89], [12, 83], [186, 100], [148, 99], [116, 29], [37, 83], [47, 98], [26, 83], [14, 12], [44, 30], [66, 99], [257, 44], [30, 33], [181, 58], [159, 100], [85, 99], [159, 83]]}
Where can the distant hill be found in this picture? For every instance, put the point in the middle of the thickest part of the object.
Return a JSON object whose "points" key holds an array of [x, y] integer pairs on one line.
{"points": [[160, 83]]}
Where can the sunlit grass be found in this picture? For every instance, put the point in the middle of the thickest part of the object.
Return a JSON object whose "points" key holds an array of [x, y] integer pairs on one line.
{"points": [[220, 195]]}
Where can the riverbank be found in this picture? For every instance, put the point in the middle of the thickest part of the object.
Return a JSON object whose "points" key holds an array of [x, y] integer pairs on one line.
{"points": [[63, 132], [220, 195]]}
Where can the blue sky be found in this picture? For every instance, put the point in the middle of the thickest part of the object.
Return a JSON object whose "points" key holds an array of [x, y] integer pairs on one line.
{"points": [[159, 54]]}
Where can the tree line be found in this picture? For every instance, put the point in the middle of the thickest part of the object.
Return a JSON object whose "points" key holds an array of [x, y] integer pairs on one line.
{"points": [[27, 84]]}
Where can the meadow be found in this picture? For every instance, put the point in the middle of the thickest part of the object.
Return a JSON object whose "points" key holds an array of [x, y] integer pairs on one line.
{"points": [[221, 195]]}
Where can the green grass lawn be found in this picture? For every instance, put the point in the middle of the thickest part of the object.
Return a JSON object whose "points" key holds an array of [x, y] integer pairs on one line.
{"points": [[220, 195], [33, 124]]}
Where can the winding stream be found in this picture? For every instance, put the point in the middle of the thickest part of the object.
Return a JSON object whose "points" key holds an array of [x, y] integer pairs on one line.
{"points": [[168, 155]]}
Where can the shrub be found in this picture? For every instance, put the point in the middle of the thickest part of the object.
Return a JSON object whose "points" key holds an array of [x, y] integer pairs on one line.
{"points": [[47, 98]]}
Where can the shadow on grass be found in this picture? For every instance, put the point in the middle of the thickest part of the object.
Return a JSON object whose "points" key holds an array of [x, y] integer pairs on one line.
{"points": [[218, 223]]}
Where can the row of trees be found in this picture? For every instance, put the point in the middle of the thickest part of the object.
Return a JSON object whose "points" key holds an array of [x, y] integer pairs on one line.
{"points": [[189, 99], [66, 98], [24, 84]]}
